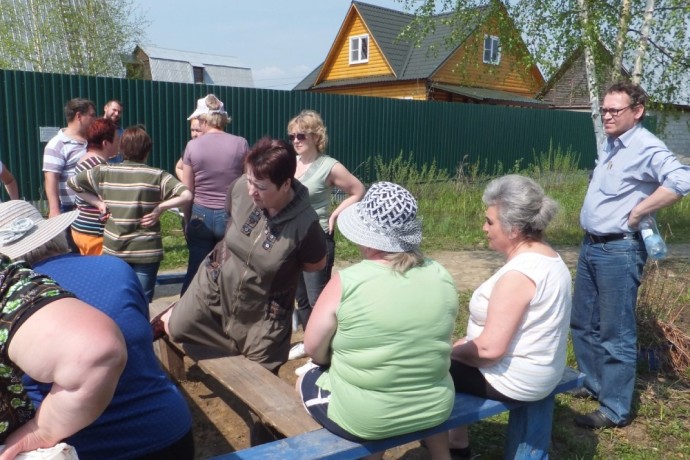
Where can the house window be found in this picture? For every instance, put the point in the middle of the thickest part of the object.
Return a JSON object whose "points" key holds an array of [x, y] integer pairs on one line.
{"points": [[492, 50], [198, 74], [359, 49]]}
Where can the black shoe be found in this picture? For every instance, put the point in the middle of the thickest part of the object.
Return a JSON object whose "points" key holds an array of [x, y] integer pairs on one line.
{"points": [[597, 419], [582, 393]]}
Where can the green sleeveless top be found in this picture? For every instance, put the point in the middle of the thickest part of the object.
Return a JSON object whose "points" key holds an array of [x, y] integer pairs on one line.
{"points": [[314, 178], [391, 350]]}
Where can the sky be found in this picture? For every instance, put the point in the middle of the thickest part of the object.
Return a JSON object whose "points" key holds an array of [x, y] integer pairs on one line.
{"points": [[280, 40]]}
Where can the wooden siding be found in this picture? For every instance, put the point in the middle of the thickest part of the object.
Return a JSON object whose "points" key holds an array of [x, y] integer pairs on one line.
{"points": [[507, 76], [338, 62], [395, 90]]}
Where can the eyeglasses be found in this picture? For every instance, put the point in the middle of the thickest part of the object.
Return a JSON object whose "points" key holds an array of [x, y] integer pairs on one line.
{"points": [[299, 136], [614, 112]]}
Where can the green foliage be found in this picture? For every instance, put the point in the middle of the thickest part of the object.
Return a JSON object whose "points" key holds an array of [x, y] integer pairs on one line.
{"points": [[555, 29], [174, 242], [85, 37]]}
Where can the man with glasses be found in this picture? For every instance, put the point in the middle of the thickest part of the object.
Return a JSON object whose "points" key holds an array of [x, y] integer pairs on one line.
{"points": [[63, 152], [635, 175]]}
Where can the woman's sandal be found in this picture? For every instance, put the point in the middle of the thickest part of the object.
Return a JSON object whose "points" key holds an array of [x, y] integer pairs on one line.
{"points": [[157, 325]]}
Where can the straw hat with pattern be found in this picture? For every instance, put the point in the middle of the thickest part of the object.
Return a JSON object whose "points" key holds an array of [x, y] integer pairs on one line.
{"points": [[23, 228], [385, 219]]}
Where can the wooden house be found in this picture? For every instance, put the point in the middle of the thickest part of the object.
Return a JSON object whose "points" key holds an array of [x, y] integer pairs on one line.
{"points": [[367, 58]]}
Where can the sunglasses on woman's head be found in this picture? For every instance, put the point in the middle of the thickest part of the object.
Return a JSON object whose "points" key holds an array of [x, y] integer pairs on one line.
{"points": [[300, 137]]}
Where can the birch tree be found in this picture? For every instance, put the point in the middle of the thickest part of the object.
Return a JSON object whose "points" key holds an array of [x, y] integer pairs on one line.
{"points": [[654, 36], [85, 37]]}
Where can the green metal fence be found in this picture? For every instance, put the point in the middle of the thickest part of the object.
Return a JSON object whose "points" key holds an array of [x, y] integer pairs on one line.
{"points": [[359, 128]]}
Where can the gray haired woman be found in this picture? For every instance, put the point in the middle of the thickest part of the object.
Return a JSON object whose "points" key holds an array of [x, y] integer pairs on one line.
{"points": [[515, 347]]}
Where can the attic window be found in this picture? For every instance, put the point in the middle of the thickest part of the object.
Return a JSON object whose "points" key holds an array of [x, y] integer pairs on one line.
{"points": [[359, 49], [492, 50], [198, 74]]}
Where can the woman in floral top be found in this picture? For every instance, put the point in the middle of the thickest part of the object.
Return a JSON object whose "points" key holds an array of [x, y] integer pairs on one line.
{"points": [[47, 333]]}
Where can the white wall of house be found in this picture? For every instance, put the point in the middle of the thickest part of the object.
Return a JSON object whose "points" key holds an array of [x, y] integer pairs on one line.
{"points": [[674, 130]]}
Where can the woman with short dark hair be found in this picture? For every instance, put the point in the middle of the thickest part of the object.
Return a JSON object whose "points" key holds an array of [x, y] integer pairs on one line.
{"points": [[103, 143], [241, 299]]}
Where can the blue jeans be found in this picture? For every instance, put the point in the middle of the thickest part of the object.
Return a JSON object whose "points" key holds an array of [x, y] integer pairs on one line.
{"points": [[603, 324], [147, 274], [310, 284], [205, 229]]}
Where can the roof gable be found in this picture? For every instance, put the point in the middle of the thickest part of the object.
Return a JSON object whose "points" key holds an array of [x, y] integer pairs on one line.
{"points": [[406, 61]]}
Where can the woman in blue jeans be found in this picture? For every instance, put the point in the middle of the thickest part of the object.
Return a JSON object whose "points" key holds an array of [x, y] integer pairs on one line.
{"points": [[209, 165], [320, 173]]}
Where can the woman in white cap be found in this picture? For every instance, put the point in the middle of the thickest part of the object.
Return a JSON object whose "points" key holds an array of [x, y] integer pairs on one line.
{"points": [[210, 163], [381, 330], [47, 333], [320, 173]]}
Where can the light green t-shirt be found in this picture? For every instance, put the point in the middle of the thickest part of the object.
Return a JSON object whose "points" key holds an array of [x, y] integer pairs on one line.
{"points": [[314, 178], [391, 350]]}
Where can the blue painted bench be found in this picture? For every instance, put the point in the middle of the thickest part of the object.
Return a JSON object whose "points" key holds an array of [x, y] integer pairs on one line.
{"points": [[169, 278], [528, 436]]}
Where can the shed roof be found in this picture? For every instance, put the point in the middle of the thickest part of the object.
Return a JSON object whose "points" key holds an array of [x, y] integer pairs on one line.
{"points": [[194, 58]]}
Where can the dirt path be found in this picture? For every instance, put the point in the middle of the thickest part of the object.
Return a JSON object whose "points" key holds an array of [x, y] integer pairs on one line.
{"points": [[220, 425]]}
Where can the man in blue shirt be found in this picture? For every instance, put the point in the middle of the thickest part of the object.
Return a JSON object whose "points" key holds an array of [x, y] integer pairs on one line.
{"points": [[635, 175]]}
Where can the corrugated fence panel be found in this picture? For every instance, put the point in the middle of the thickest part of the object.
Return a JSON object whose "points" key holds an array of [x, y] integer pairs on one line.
{"points": [[359, 128]]}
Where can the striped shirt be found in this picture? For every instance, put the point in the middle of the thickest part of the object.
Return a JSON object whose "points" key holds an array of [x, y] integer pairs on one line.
{"points": [[88, 221], [61, 155], [131, 191]]}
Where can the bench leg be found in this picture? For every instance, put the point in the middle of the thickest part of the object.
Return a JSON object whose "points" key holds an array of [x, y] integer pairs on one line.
{"points": [[258, 432], [529, 430], [172, 359]]}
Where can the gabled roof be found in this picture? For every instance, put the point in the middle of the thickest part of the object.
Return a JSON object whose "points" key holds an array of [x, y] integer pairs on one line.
{"points": [[194, 58], [407, 61]]}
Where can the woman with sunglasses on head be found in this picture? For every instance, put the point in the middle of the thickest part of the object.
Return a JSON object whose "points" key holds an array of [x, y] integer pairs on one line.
{"points": [[320, 173], [209, 165]]}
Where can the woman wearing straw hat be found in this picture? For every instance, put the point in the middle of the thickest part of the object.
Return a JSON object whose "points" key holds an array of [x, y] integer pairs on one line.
{"points": [[210, 163], [147, 416], [47, 333], [381, 330]]}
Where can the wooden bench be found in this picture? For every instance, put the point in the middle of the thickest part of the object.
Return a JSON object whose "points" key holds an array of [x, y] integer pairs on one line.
{"points": [[528, 436], [273, 403]]}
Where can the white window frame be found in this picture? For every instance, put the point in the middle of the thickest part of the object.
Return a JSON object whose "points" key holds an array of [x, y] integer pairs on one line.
{"points": [[492, 45], [355, 52]]}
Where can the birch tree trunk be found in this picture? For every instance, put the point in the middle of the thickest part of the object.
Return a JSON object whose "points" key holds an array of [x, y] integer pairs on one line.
{"points": [[642, 46], [592, 84], [620, 40]]}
